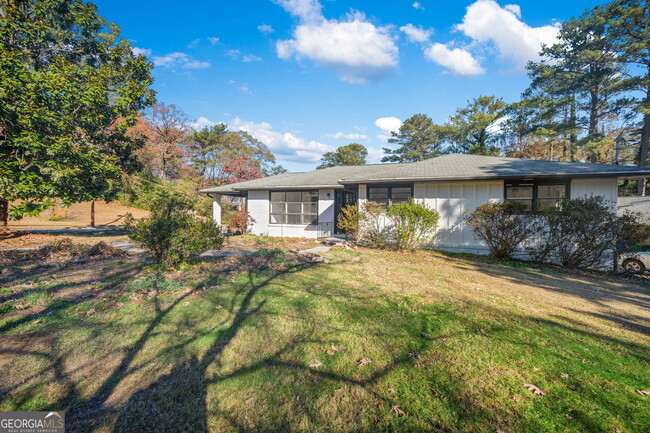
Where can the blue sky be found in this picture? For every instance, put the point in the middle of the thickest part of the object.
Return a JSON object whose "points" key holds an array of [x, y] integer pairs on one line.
{"points": [[307, 76]]}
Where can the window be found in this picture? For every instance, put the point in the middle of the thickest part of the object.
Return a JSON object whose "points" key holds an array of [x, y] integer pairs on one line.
{"points": [[389, 195], [294, 207], [536, 195]]}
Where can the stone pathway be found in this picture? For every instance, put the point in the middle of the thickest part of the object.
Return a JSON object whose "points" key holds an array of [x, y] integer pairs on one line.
{"points": [[317, 250], [226, 253]]}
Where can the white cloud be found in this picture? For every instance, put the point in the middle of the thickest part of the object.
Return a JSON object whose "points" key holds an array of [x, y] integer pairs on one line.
{"points": [[418, 6], [248, 58], [416, 33], [352, 136], [515, 9], [357, 50], [387, 125], [194, 43], [515, 41], [202, 122], [286, 146], [213, 40], [266, 29], [144, 51], [458, 61], [241, 87], [181, 60], [306, 10], [374, 155]]}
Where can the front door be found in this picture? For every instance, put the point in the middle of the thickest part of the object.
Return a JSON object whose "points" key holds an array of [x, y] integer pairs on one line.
{"points": [[342, 198]]}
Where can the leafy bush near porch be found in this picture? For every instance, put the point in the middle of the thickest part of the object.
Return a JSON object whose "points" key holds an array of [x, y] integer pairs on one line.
{"points": [[173, 233], [348, 220], [503, 227], [414, 224], [240, 221], [373, 232]]}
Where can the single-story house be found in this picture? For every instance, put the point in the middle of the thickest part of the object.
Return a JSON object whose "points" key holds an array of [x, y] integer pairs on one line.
{"points": [[307, 204]]}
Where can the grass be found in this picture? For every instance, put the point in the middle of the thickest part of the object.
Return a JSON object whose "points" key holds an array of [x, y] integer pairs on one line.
{"points": [[270, 343]]}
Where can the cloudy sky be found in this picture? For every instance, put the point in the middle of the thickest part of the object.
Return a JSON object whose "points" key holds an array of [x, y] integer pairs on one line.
{"points": [[307, 76]]}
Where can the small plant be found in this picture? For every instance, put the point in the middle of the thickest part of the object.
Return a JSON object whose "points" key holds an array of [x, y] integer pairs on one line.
{"points": [[373, 231], [173, 233], [414, 224], [348, 220], [240, 221], [274, 255], [503, 227]]}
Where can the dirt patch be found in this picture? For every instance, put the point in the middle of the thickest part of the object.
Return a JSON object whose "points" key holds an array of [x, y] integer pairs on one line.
{"points": [[10, 239], [107, 215], [60, 251]]}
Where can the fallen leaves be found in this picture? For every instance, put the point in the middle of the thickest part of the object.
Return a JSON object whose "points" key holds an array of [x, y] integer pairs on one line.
{"points": [[395, 408], [535, 390], [249, 400], [415, 354], [333, 350], [643, 391], [315, 364], [363, 362], [564, 376]]}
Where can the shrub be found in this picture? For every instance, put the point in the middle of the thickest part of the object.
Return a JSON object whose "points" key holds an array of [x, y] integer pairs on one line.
{"points": [[372, 228], [414, 224], [240, 221], [578, 232], [172, 232], [348, 220], [633, 232], [502, 226]]}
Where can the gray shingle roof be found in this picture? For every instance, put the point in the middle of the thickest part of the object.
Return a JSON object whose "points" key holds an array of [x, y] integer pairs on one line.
{"points": [[447, 167]]}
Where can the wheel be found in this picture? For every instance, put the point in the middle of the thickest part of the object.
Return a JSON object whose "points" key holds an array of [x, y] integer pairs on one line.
{"points": [[634, 265]]}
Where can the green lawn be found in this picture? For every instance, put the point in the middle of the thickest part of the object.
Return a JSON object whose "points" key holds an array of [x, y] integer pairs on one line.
{"points": [[270, 343]]}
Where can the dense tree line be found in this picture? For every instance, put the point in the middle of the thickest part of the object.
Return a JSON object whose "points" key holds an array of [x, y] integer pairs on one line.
{"points": [[589, 93]]}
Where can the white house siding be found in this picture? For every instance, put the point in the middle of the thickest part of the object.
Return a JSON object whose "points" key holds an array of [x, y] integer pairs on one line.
{"points": [[452, 200], [258, 208], [607, 187]]}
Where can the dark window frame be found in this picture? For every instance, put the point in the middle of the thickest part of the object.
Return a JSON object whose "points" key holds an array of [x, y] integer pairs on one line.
{"points": [[271, 213], [536, 183], [390, 187]]}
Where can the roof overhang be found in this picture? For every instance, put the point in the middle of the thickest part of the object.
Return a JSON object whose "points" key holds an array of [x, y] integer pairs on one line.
{"points": [[626, 175]]}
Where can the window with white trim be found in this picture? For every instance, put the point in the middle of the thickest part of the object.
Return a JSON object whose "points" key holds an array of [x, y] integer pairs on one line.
{"points": [[293, 207]]}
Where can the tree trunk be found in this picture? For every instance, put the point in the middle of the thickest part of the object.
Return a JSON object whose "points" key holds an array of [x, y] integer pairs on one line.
{"points": [[573, 137], [92, 213], [645, 140], [4, 211], [645, 144]]}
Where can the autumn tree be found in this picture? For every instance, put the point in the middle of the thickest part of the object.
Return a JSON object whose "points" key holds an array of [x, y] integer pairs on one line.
{"points": [[418, 138], [70, 88], [211, 148], [165, 128], [351, 154]]}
